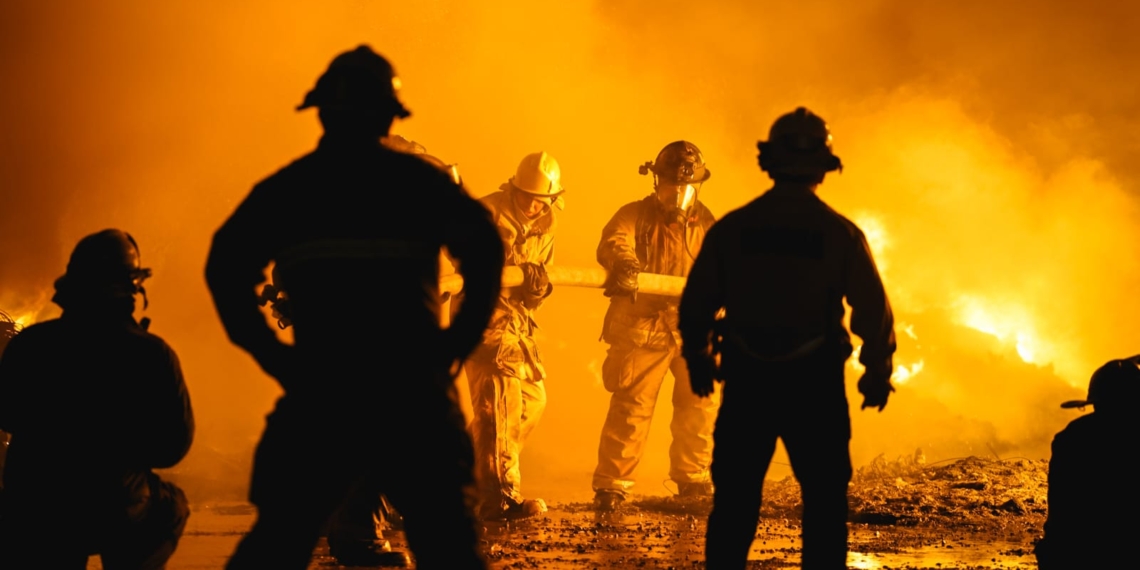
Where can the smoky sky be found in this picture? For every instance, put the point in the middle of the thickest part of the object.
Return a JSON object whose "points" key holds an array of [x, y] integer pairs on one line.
{"points": [[989, 145]]}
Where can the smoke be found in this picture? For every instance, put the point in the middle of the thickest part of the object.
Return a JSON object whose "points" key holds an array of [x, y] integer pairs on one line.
{"points": [[987, 150]]}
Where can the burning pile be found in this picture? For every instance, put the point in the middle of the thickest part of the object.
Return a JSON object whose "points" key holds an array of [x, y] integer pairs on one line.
{"points": [[8, 329]]}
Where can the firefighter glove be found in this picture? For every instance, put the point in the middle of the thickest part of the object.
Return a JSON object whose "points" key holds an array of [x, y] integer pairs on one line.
{"points": [[876, 388], [622, 279], [535, 281], [703, 373]]}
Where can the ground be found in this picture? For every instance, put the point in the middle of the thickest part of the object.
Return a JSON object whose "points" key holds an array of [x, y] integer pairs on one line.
{"points": [[971, 514]]}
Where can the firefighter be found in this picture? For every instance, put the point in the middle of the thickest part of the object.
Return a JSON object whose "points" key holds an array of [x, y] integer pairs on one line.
{"points": [[1089, 487], [94, 404], [506, 373], [356, 530], [777, 272], [661, 234], [354, 214]]}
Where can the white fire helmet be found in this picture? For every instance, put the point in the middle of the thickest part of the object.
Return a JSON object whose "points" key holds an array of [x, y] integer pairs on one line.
{"points": [[538, 174]]}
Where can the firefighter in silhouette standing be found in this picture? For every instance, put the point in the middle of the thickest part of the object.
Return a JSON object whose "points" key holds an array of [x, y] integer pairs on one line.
{"points": [[506, 373], [1089, 486], [356, 530], [660, 234], [94, 404], [763, 311], [356, 215]]}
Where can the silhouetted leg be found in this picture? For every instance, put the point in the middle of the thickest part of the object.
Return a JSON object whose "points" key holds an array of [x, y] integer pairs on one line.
{"points": [[634, 377], [354, 525], [294, 491], [149, 543], [435, 494], [692, 428], [817, 439], [744, 445]]}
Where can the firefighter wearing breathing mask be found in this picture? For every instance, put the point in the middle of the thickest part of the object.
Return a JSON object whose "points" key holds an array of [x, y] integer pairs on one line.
{"points": [[763, 310], [661, 234], [506, 373]]}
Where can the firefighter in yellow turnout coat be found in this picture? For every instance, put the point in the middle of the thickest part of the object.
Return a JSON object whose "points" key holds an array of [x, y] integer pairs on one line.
{"points": [[661, 234], [506, 373]]}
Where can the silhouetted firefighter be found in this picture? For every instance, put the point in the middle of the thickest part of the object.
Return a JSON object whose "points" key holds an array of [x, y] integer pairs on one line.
{"points": [[94, 403], [1093, 499], [780, 268], [661, 234], [374, 405], [506, 372]]}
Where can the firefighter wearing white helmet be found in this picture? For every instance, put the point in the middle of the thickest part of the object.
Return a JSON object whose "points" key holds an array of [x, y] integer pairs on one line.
{"points": [[506, 372], [661, 234]]}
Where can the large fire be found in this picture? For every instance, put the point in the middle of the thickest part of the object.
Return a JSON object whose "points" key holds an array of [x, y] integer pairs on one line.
{"points": [[999, 205]]}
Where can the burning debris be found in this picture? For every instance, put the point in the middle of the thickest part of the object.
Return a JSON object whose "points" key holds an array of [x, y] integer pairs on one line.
{"points": [[9, 326]]}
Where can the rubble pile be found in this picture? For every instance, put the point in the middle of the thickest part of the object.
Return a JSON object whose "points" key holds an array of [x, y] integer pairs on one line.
{"points": [[968, 494]]}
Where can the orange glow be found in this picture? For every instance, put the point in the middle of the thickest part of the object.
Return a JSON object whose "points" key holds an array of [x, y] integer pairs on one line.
{"points": [[991, 166]]}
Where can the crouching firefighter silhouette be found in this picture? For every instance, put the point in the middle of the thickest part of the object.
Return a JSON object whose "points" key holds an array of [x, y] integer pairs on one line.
{"points": [[95, 403], [780, 269]]}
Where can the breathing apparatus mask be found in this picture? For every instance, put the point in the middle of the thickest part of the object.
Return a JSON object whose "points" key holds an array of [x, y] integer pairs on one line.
{"points": [[678, 173]]}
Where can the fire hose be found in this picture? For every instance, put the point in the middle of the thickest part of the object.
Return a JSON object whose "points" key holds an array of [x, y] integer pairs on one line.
{"points": [[649, 283], [452, 283]]}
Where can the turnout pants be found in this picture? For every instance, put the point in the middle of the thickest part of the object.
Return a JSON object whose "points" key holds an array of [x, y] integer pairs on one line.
{"points": [[634, 376], [38, 534], [804, 403], [314, 453], [506, 408]]}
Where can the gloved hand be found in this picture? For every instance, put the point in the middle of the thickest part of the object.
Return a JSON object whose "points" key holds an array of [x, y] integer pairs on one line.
{"points": [[703, 373], [536, 284], [876, 388], [535, 281], [622, 279]]}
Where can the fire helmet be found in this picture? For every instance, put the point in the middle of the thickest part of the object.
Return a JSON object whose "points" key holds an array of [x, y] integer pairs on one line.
{"points": [[360, 79], [798, 146], [538, 174], [678, 172], [1115, 384], [679, 163], [105, 264]]}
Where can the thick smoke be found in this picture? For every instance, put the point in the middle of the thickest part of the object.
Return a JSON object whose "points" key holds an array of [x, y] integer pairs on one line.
{"points": [[986, 146]]}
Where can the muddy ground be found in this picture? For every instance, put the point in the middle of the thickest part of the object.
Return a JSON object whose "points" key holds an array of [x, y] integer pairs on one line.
{"points": [[971, 513]]}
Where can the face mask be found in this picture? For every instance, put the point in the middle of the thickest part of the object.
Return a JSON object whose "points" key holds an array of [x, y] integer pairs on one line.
{"points": [[679, 198]]}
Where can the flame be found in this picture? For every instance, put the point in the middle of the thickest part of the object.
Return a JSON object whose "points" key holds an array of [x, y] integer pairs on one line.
{"points": [[1010, 323], [902, 374], [23, 320]]}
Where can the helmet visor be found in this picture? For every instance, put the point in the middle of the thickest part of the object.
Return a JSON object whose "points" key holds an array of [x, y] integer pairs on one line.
{"points": [[678, 196]]}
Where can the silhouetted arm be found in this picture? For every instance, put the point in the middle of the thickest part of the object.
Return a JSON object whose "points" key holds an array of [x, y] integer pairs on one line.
{"points": [[241, 250], [475, 245], [701, 300], [871, 316], [168, 428]]}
